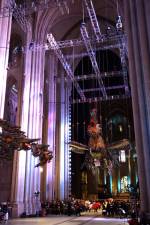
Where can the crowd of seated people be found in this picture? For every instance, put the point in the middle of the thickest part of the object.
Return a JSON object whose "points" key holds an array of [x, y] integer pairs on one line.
{"points": [[76, 207], [69, 208], [116, 208]]}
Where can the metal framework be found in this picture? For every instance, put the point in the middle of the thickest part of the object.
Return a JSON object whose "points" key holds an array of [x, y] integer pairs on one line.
{"points": [[107, 88], [101, 42], [122, 49], [92, 56], [93, 19], [117, 41], [65, 64], [107, 42], [97, 99], [93, 76]]}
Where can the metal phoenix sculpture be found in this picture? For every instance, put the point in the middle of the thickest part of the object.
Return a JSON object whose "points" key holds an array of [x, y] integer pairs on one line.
{"points": [[97, 152], [101, 156]]}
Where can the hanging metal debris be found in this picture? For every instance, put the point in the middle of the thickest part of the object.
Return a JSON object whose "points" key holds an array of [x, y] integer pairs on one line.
{"points": [[12, 138]]}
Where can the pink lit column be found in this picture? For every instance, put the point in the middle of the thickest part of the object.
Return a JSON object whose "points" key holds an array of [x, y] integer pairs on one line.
{"points": [[65, 136], [60, 129], [62, 187], [62, 161], [5, 30], [20, 163], [35, 119], [50, 167], [27, 176]]}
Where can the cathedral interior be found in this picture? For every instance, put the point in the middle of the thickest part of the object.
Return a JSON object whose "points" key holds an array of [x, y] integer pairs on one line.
{"points": [[74, 101]]}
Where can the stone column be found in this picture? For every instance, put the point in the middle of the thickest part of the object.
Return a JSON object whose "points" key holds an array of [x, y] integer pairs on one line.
{"points": [[51, 123], [35, 120], [137, 29], [62, 138], [20, 158], [5, 31], [62, 173], [115, 181], [129, 166], [67, 157], [27, 176], [119, 181]]}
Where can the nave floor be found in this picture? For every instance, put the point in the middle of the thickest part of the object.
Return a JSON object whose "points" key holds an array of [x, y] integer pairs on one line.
{"points": [[68, 220]]}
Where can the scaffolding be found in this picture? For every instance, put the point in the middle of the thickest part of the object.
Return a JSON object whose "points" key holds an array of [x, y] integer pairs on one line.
{"points": [[93, 19], [109, 40], [115, 43], [92, 57], [100, 99], [65, 64]]}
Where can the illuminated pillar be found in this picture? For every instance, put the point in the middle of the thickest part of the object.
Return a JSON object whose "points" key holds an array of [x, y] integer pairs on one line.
{"points": [[62, 139], [138, 32], [67, 175], [51, 123], [63, 135], [129, 167], [105, 177], [129, 158], [5, 30], [115, 181], [35, 120], [111, 184], [21, 166], [119, 181], [26, 176]]}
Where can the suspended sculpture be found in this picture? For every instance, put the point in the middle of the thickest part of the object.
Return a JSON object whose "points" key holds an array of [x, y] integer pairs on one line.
{"points": [[78, 147], [12, 138], [96, 143], [42, 152], [97, 152], [101, 156]]}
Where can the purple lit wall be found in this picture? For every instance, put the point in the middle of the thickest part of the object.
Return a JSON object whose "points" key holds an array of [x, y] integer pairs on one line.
{"points": [[5, 29]]}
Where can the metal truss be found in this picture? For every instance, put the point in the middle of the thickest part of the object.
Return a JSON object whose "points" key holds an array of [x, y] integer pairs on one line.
{"points": [[122, 49], [107, 42], [113, 42], [98, 99], [93, 76], [65, 64], [92, 56], [93, 18], [107, 88], [102, 41]]}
